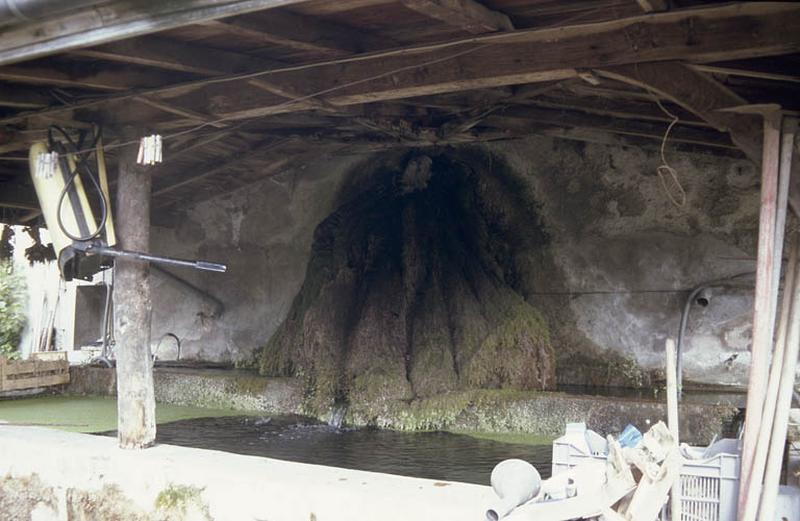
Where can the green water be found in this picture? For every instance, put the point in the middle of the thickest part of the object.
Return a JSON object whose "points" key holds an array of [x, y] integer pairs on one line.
{"points": [[90, 413]]}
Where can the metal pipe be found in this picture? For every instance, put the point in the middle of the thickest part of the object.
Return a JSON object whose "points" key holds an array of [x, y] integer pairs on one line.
{"points": [[197, 264], [720, 283]]}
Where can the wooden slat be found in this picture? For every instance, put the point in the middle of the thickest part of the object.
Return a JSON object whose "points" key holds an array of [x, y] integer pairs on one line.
{"points": [[30, 374], [468, 15], [34, 382]]}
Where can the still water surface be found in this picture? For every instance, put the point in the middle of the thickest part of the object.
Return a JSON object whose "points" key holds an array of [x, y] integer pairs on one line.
{"points": [[434, 455]]}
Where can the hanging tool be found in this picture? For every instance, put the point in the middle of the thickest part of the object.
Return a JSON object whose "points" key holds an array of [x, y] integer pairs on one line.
{"points": [[82, 230]]}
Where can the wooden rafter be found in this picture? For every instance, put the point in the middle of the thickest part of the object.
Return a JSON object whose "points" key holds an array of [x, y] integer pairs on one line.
{"points": [[468, 15], [543, 55], [116, 20], [498, 60]]}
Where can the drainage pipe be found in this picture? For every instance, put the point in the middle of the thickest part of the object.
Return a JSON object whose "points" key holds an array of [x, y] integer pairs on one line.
{"points": [[697, 292]]}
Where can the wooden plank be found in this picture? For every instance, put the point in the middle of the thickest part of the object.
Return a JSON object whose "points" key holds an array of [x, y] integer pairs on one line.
{"points": [[25, 367], [34, 382], [508, 58], [117, 20], [298, 32], [468, 15]]}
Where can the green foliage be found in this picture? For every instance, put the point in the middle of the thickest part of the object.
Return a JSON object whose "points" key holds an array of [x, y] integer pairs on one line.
{"points": [[12, 309]]}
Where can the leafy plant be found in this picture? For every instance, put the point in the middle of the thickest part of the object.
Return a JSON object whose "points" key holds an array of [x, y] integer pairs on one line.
{"points": [[12, 309]]}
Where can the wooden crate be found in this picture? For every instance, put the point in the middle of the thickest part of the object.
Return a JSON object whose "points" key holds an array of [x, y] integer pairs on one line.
{"points": [[30, 374]]}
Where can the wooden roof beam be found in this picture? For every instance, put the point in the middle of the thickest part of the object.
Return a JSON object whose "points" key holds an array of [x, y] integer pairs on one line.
{"points": [[543, 55], [302, 33], [117, 20], [468, 15], [503, 59]]}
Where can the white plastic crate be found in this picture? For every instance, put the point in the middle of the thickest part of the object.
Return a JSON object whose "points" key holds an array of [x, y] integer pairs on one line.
{"points": [[709, 486]]}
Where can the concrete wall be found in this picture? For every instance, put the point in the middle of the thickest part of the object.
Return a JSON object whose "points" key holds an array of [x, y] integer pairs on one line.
{"points": [[611, 281]]}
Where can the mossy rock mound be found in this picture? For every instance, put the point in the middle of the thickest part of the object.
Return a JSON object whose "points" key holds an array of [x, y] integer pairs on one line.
{"points": [[411, 289]]}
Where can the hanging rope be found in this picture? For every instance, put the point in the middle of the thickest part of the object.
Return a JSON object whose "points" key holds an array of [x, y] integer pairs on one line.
{"points": [[665, 170]]}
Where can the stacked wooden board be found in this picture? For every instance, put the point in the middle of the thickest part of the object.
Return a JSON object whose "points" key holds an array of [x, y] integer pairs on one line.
{"points": [[39, 371]]}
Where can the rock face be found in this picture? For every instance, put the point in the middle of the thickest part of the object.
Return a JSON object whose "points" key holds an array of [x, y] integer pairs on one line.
{"points": [[412, 286]]}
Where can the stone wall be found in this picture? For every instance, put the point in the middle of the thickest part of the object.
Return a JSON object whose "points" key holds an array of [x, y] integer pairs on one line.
{"points": [[611, 282]]}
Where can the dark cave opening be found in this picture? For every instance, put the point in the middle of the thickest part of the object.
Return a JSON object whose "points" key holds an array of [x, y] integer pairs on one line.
{"points": [[412, 287]]}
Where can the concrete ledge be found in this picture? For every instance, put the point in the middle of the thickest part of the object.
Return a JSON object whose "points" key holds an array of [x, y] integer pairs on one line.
{"points": [[539, 413], [215, 388], [52, 475]]}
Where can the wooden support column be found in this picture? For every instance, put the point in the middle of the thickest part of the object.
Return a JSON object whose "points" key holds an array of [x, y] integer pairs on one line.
{"points": [[136, 422]]}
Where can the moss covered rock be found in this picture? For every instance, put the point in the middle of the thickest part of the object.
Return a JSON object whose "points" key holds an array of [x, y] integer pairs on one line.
{"points": [[411, 290]]}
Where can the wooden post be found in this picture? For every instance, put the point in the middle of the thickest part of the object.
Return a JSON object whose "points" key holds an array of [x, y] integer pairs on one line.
{"points": [[769, 413], [765, 294], [674, 429], [136, 423]]}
